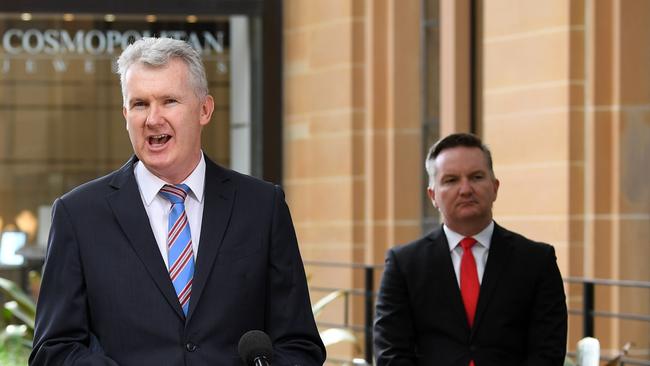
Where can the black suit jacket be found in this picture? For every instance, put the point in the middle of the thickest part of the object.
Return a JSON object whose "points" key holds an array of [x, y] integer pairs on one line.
{"points": [[521, 316], [106, 297]]}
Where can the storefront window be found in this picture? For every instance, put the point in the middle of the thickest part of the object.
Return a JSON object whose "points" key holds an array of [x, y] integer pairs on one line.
{"points": [[61, 120]]}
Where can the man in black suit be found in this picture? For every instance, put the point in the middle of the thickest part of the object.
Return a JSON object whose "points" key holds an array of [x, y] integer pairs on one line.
{"points": [[470, 292], [170, 259]]}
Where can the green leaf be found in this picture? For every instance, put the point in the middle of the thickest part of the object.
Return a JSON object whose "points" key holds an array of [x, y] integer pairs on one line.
{"points": [[13, 292], [14, 308], [318, 307]]}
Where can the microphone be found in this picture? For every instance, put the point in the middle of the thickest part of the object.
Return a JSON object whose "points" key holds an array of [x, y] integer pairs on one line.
{"points": [[255, 348]]}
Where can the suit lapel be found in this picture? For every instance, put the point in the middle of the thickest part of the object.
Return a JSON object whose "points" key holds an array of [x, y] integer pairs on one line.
{"points": [[444, 268], [219, 198], [500, 250], [129, 212]]}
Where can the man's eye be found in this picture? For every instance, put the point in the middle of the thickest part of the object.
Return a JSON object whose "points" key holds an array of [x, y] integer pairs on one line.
{"points": [[170, 101], [448, 180], [137, 105]]}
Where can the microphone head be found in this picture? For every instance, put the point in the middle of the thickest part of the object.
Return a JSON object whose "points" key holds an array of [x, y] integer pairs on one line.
{"points": [[254, 344]]}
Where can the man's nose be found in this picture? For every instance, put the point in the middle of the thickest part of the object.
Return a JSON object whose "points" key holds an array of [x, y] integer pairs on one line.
{"points": [[465, 186], [154, 116]]}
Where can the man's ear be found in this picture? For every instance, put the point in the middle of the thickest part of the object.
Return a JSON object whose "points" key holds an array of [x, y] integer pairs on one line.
{"points": [[432, 196]]}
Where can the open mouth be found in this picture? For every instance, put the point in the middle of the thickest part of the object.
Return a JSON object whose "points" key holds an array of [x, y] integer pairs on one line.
{"points": [[159, 140]]}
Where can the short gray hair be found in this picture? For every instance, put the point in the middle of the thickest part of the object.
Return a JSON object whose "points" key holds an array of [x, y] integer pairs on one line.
{"points": [[157, 52]]}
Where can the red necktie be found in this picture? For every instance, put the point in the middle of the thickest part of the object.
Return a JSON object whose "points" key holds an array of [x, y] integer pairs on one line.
{"points": [[469, 285]]}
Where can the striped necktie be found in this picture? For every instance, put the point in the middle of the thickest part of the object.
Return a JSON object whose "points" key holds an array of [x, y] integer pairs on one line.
{"points": [[179, 244]]}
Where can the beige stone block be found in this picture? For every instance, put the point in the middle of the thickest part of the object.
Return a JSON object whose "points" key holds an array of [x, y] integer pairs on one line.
{"points": [[359, 8], [540, 98], [527, 139], [299, 198], [322, 11], [297, 131], [332, 234], [358, 40], [330, 45], [577, 56], [376, 176], [407, 176], [604, 173], [295, 14], [552, 230], [298, 161], [634, 53], [296, 46], [604, 246], [359, 236], [504, 61], [576, 264], [332, 199], [323, 276], [530, 191], [359, 87], [332, 156], [380, 240], [337, 122], [406, 232], [297, 91], [576, 130], [404, 64], [358, 157], [576, 190], [330, 89], [635, 248], [507, 17]]}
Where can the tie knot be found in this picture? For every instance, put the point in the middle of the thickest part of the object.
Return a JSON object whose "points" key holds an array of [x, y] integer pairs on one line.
{"points": [[467, 243], [175, 193]]}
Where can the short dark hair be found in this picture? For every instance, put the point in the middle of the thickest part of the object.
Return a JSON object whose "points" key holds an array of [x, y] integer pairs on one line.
{"points": [[451, 141]]}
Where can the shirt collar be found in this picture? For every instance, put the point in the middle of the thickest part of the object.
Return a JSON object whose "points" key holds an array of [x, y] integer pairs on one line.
{"points": [[483, 238], [150, 184]]}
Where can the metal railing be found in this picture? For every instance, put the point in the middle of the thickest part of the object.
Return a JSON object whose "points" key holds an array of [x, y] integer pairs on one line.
{"points": [[369, 294], [589, 313]]}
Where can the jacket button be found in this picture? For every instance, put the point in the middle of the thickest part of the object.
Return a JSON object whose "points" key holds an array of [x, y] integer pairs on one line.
{"points": [[190, 347]]}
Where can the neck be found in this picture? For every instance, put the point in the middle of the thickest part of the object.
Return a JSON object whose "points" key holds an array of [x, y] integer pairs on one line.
{"points": [[468, 228]]}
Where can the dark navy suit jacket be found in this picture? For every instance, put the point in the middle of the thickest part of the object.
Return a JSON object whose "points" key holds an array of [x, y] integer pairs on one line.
{"points": [[106, 296], [521, 316]]}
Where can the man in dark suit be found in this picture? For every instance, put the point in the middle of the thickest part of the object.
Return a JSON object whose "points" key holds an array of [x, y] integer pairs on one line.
{"points": [[470, 292], [170, 259]]}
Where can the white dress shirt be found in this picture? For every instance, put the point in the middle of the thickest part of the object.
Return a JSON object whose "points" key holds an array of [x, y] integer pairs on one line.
{"points": [[158, 207], [479, 250]]}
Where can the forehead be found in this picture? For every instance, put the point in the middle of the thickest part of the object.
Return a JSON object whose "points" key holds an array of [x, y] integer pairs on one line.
{"points": [[461, 159], [175, 74]]}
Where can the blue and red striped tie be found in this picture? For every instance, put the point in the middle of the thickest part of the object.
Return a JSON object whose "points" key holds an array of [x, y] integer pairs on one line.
{"points": [[179, 244]]}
